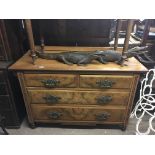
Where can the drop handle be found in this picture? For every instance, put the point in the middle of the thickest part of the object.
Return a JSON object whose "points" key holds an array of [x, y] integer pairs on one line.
{"points": [[105, 83], [102, 116], [54, 115], [50, 83], [104, 100], [51, 99]]}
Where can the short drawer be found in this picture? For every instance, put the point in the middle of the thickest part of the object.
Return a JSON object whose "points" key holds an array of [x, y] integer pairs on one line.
{"points": [[2, 78], [51, 80], [58, 97], [3, 89], [105, 81], [77, 114], [4, 102]]}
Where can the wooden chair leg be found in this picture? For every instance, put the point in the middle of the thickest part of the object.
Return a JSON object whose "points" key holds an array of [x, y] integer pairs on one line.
{"points": [[4, 130], [2, 125]]}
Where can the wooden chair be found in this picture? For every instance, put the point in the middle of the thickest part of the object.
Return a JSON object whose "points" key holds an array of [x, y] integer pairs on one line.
{"points": [[128, 33]]}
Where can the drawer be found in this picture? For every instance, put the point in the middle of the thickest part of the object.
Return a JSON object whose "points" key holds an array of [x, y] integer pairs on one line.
{"points": [[56, 97], [2, 78], [51, 80], [3, 89], [77, 113], [4, 102], [105, 81]]}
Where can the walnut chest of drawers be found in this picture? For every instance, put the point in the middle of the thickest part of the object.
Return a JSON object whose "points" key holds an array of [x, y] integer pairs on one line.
{"points": [[78, 95]]}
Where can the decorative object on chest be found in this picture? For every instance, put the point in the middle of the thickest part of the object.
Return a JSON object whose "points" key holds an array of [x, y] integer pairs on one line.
{"points": [[95, 93], [84, 58]]}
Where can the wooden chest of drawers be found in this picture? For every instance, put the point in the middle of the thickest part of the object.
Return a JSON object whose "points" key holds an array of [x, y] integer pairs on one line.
{"points": [[92, 94]]}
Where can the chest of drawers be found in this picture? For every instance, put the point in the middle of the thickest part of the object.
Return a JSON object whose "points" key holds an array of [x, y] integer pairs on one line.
{"points": [[80, 95]]}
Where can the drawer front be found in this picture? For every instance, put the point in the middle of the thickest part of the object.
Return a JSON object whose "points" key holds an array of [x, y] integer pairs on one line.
{"points": [[105, 81], [4, 102], [3, 89], [2, 78], [77, 114], [58, 97], [51, 80]]}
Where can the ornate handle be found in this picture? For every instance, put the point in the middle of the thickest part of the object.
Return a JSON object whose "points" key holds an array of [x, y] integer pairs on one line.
{"points": [[50, 83], [105, 83], [51, 99], [54, 115], [103, 116], [104, 99]]}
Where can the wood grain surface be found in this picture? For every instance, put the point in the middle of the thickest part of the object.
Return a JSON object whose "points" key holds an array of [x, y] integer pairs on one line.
{"points": [[68, 97], [72, 113], [65, 80], [90, 81]]}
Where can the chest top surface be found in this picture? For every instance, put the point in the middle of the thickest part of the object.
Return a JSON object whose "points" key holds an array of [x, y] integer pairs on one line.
{"points": [[25, 64]]}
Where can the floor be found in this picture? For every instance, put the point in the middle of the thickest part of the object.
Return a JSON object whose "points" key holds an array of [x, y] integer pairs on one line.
{"points": [[25, 130]]}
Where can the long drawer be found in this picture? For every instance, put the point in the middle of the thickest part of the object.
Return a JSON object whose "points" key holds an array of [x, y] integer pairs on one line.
{"points": [[106, 81], [65, 113], [51, 80], [59, 97]]}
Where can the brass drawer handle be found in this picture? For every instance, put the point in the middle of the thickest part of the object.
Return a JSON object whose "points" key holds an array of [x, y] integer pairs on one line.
{"points": [[105, 83], [54, 115], [102, 116], [104, 100], [50, 83], [51, 99]]}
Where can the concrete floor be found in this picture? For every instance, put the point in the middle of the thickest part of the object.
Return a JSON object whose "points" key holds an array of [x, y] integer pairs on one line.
{"points": [[25, 130]]}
